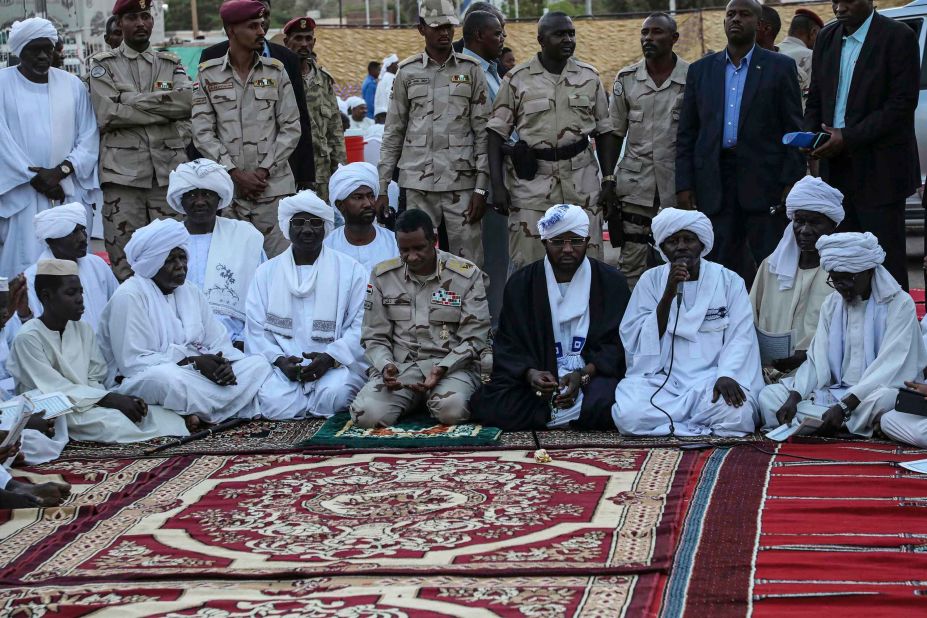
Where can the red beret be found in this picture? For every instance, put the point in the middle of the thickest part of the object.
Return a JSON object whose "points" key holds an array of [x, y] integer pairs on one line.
{"points": [[299, 24], [812, 16], [131, 6], [237, 11]]}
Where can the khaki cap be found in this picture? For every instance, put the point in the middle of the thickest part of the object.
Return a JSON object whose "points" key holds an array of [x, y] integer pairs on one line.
{"points": [[438, 13]]}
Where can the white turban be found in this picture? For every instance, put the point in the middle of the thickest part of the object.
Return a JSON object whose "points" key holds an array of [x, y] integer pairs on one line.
{"points": [[562, 218], [149, 246], [850, 252], [671, 220], [812, 194], [199, 174], [304, 201], [24, 32], [59, 221], [387, 63], [353, 102], [348, 178]]}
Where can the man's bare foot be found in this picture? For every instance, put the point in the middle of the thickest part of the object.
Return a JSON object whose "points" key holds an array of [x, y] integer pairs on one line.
{"points": [[43, 494], [12, 500], [194, 423]]}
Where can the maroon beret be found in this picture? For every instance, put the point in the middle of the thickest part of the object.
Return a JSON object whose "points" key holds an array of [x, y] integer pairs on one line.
{"points": [[299, 24], [237, 11], [131, 6], [812, 16]]}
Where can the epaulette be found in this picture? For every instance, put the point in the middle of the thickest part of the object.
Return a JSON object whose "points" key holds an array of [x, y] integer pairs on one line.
{"points": [[324, 70], [215, 62], [466, 57], [272, 62], [103, 55], [166, 55], [586, 65], [517, 68], [388, 265], [631, 68], [410, 59], [461, 267]]}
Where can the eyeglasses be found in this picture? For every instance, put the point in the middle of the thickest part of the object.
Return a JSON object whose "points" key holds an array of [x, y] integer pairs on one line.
{"points": [[844, 282], [298, 224], [573, 242]]}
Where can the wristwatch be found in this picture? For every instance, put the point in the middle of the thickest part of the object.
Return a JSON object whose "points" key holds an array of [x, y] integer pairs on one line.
{"points": [[481, 192], [584, 378], [846, 410], [65, 169]]}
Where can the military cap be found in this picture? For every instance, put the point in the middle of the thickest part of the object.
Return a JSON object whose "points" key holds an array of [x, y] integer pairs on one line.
{"points": [[812, 16], [438, 13], [131, 6], [299, 24], [238, 11]]}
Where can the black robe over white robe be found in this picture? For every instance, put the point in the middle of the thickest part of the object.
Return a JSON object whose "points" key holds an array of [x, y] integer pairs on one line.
{"points": [[525, 340]]}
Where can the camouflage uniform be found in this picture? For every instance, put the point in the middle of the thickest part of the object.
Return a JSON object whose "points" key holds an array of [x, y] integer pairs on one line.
{"points": [[648, 115], [551, 111], [436, 132], [142, 103], [249, 125], [415, 325], [325, 120]]}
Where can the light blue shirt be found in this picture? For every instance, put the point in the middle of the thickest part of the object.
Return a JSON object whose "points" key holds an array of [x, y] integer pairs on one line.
{"points": [[490, 70], [849, 54], [734, 80]]}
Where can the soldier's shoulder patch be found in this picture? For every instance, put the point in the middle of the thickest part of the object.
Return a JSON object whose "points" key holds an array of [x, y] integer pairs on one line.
{"points": [[103, 55], [586, 65], [461, 267], [386, 266], [215, 62], [618, 88], [97, 71], [170, 56]]}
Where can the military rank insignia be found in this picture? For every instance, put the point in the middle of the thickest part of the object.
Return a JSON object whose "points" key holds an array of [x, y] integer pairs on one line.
{"points": [[448, 298], [163, 85], [264, 82], [460, 79]]}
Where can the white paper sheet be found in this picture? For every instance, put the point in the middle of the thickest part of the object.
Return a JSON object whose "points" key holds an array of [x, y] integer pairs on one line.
{"points": [[806, 427]]}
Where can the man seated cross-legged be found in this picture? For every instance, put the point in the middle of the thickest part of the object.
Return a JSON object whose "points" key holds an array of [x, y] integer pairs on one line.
{"points": [[557, 354], [689, 339], [426, 326], [160, 334], [304, 315]]}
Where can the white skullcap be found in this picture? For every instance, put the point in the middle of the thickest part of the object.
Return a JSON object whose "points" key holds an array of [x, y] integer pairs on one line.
{"points": [[56, 267], [347, 178], [304, 201], [149, 246], [199, 174], [387, 63], [353, 102], [562, 218], [59, 221], [671, 220], [24, 32], [850, 252], [812, 194]]}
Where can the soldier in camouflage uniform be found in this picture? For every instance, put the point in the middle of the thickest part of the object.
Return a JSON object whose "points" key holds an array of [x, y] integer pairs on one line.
{"points": [[425, 332], [245, 118], [324, 117], [436, 132], [554, 103], [646, 99], [142, 100]]}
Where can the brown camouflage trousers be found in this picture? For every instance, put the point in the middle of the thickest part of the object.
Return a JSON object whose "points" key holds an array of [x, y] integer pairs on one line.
{"points": [[321, 186], [262, 214], [448, 401], [464, 240], [633, 260], [525, 243], [126, 209]]}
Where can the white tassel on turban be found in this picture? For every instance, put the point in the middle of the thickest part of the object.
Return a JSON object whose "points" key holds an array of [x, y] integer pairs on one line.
{"points": [[149, 246], [24, 32], [562, 218], [348, 178], [672, 220], [59, 221], [199, 174], [304, 201], [812, 194]]}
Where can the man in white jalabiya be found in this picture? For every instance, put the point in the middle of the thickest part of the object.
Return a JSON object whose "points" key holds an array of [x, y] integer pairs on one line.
{"points": [[50, 142], [59, 353], [353, 190], [304, 314], [690, 344], [222, 254], [64, 232], [867, 344], [790, 285], [388, 69], [163, 338]]}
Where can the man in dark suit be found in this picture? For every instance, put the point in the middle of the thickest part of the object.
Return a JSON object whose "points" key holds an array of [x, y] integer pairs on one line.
{"points": [[871, 156], [730, 161], [302, 161]]}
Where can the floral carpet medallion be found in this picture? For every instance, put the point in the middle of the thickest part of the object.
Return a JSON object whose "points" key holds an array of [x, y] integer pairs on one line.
{"points": [[602, 512]]}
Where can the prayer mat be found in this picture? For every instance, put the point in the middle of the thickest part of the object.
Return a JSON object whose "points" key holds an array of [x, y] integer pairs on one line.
{"points": [[243, 517], [779, 534], [415, 432]]}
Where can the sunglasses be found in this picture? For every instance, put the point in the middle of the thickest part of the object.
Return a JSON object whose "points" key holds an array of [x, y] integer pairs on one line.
{"points": [[315, 222], [573, 242]]}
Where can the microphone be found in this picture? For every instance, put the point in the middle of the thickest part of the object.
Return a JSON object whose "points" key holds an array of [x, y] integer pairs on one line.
{"points": [[679, 285]]}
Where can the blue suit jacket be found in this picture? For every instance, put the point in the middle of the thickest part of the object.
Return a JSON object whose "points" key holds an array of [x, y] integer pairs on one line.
{"points": [[771, 107]]}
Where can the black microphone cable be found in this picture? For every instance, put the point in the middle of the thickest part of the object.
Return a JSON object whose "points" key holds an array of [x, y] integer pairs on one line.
{"points": [[672, 433]]}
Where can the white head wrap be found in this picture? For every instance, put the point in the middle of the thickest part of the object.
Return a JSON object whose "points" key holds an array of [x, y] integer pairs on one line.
{"points": [[354, 102], [562, 218], [812, 194], [387, 63], [149, 246], [24, 32], [304, 201], [672, 220], [850, 252], [59, 221], [348, 178], [56, 267], [199, 174]]}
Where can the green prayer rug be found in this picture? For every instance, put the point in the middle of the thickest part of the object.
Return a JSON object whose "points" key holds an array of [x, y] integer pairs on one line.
{"points": [[414, 432]]}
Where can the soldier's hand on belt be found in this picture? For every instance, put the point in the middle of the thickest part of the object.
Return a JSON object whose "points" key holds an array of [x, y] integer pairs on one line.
{"points": [[476, 209], [501, 202]]}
